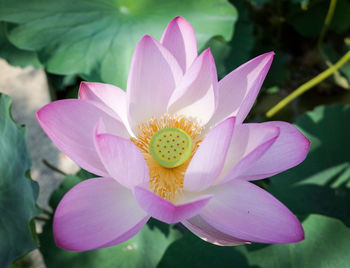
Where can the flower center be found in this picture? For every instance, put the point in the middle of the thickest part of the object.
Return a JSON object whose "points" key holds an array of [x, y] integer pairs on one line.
{"points": [[168, 144], [171, 147]]}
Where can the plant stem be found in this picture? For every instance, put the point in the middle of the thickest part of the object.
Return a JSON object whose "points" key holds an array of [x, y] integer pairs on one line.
{"points": [[41, 219], [52, 167], [333, 69], [308, 85], [45, 211], [327, 21]]}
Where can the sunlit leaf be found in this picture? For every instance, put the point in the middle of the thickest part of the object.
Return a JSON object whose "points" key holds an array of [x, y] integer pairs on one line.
{"points": [[16, 56], [326, 245], [96, 38], [321, 184]]}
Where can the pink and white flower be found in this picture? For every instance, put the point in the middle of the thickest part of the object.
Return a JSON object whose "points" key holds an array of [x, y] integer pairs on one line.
{"points": [[173, 147]]}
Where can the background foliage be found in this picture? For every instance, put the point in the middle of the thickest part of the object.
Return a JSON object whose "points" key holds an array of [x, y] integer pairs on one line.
{"points": [[94, 41], [18, 192]]}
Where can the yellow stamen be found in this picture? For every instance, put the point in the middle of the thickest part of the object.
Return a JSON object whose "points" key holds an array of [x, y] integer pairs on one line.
{"points": [[166, 182]]}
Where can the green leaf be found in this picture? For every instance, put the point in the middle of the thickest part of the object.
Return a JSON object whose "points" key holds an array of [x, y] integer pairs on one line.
{"points": [[14, 55], [309, 22], [273, 90], [340, 22], [321, 184], [303, 3], [191, 251], [220, 50], [229, 55], [96, 38], [143, 250], [259, 2], [326, 245], [279, 72], [242, 43], [18, 193]]}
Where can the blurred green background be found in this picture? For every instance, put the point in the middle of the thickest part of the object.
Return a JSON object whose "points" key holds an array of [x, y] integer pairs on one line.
{"points": [[93, 40]]}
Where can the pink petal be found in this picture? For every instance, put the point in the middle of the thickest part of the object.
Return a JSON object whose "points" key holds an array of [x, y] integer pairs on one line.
{"points": [[289, 150], [196, 94], [249, 143], [123, 160], [209, 158], [166, 211], [238, 90], [154, 74], [105, 95], [70, 125], [95, 213], [208, 233], [129, 234], [244, 210], [179, 38]]}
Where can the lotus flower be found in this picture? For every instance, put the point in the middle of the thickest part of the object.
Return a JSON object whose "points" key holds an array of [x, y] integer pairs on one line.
{"points": [[173, 147]]}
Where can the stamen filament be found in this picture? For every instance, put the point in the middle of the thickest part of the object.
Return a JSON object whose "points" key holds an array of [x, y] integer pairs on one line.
{"points": [[167, 182]]}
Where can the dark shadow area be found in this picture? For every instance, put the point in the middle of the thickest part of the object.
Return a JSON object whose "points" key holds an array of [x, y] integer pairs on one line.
{"points": [[191, 251], [321, 183]]}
